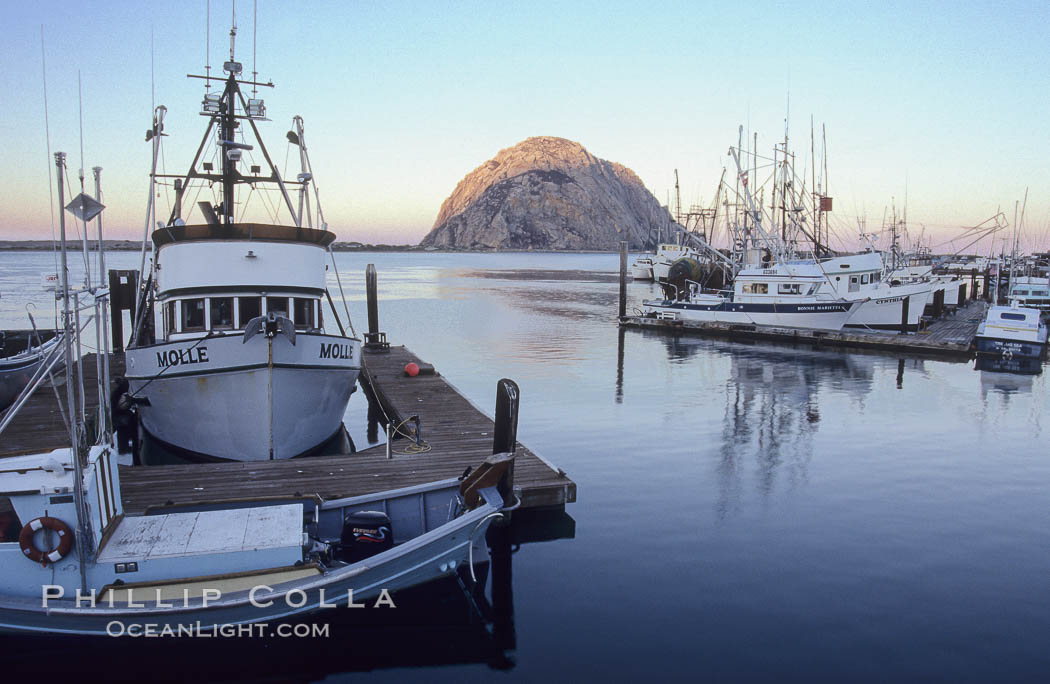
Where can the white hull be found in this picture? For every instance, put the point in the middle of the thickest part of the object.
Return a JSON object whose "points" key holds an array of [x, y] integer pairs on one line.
{"points": [[237, 401], [818, 316], [642, 269], [885, 308], [661, 267]]}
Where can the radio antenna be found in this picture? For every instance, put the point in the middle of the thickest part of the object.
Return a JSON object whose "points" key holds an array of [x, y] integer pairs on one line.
{"points": [[255, 36], [207, 47], [47, 136]]}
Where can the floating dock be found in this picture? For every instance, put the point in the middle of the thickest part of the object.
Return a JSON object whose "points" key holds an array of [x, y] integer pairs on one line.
{"points": [[458, 434], [949, 336]]}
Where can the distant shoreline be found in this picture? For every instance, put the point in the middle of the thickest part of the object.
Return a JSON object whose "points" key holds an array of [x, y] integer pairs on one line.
{"points": [[135, 246]]}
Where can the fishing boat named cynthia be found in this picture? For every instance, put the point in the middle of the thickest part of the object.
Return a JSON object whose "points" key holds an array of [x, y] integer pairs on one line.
{"points": [[230, 357]]}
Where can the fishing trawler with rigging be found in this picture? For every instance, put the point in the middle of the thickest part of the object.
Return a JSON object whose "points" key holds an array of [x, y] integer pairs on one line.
{"points": [[230, 357]]}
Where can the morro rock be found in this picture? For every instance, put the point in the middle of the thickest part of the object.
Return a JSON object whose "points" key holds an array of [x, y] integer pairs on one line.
{"points": [[548, 193]]}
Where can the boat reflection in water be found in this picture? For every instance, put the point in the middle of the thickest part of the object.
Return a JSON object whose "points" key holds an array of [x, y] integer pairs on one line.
{"points": [[1007, 375], [773, 405]]}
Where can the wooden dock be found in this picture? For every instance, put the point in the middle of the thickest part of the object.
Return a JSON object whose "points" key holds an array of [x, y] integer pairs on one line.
{"points": [[458, 434], [949, 336]]}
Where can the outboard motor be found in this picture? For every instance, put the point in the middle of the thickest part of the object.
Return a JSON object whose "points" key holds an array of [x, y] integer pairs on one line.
{"points": [[365, 533]]}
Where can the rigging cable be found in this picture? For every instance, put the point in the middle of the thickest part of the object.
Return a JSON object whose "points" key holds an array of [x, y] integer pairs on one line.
{"points": [[50, 172]]}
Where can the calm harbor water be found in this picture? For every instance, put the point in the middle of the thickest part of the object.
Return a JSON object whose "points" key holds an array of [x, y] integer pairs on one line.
{"points": [[744, 510]]}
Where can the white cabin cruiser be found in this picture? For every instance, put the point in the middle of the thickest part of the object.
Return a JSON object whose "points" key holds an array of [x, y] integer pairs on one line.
{"points": [[789, 294], [231, 358], [1012, 332]]}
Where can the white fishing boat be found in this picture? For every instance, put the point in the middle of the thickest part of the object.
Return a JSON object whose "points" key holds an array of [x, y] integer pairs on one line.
{"points": [[1030, 291], [667, 254], [1012, 332], [232, 357], [888, 306], [788, 294], [642, 268]]}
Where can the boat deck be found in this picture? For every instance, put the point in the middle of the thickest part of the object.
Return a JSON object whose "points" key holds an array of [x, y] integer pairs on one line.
{"points": [[951, 335], [459, 435], [151, 537]]}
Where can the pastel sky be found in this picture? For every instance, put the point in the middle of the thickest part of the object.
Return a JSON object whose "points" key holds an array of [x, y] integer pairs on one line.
{"points": [[945, 102]]}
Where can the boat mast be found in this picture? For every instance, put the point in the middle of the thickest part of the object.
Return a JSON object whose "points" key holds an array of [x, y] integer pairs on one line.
{"points": [[228, 124], [83, 533]]}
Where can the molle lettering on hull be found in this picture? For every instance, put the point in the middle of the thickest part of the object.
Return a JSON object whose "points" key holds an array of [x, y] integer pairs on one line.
{"points": [[243, 401], [336, 350], [175, 357]]}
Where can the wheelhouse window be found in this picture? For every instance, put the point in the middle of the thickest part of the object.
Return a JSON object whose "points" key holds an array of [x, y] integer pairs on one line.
{"points": [[277, 306], [250, 307], [303, 311], [789, 288], [864, 279], [193, 315], [1012, 316], [756, 288], [221, 313]]}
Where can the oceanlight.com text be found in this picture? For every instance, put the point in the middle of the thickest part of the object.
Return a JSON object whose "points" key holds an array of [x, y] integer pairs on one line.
{"points": [[116, 628]]}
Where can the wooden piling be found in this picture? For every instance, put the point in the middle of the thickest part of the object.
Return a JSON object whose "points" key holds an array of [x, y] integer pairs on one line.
{"points": [[373, 338], [623, 278], [505, 432], [123, 291], [372, 292], [904, 314]]}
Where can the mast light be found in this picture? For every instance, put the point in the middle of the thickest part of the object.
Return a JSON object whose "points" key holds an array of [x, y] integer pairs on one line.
{"points": [[256, 108], [212, 103]]}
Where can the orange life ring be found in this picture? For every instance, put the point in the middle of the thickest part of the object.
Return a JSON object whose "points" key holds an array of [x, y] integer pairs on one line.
{"points": [[65, 540]]}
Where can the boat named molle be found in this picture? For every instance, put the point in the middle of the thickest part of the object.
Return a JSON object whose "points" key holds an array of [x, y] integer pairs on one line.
{"points": [[230, 357]]}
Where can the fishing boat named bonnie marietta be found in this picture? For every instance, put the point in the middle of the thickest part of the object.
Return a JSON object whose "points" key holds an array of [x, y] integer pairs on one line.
{"points": [[230, 357]]}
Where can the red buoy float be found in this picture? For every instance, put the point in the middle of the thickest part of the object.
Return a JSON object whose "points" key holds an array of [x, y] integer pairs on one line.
{"points": [[411, 370]]}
